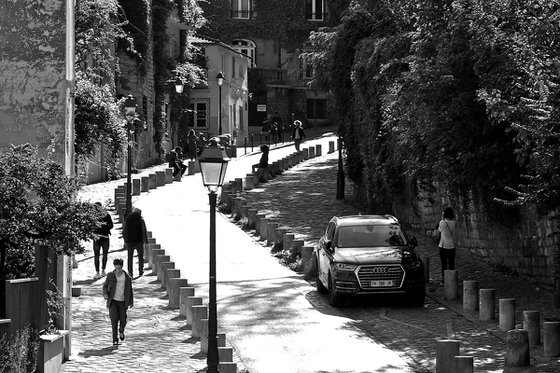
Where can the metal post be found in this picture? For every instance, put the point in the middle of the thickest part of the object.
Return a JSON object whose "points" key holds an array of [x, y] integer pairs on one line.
{"points": [[340, 174], [212, 356], [220, 111], [128, 172]]}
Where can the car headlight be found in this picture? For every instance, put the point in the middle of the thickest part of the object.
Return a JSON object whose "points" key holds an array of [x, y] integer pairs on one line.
{"points": [[345, 267]]}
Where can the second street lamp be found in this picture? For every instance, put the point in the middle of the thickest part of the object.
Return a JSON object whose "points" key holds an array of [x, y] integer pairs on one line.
{"points": [[213, 166], [130, 114], [220, 81]]}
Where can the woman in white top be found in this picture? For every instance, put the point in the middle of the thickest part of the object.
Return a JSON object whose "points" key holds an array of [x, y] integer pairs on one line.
{"points": [[447, 242]]}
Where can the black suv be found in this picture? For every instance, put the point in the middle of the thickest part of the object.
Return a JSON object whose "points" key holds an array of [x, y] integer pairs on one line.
{"points": [[366, 255]]}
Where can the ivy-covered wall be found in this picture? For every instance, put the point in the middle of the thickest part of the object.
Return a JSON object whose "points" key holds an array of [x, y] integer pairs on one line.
{"points": [[32, 73]]}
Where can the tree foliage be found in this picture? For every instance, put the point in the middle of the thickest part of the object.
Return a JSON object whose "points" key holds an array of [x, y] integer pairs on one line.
{"points": [[461, 92]]}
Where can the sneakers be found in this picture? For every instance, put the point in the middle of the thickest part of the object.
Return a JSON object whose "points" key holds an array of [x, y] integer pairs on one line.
{"points": [[103, 273], [121, 336], [96, 276], [115, 343]]}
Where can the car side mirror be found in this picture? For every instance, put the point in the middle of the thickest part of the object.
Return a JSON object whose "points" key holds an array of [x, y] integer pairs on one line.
{"points": [[414, 242], [328, 245]]}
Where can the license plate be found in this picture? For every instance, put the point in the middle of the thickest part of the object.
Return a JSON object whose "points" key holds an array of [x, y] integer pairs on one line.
{"points": [[379, 283]]}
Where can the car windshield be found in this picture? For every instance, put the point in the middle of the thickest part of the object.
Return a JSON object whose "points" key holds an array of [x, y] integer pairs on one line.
{"points": [[370, 236]]}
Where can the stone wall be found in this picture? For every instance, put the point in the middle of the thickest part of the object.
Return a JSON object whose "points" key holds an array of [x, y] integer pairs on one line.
{"points": [[523, 243]]}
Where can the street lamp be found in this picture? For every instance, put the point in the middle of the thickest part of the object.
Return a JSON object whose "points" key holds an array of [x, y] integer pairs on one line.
{"points": [[179, 85], [340, 174], [220, 81], [130, 114], [213, 165]]}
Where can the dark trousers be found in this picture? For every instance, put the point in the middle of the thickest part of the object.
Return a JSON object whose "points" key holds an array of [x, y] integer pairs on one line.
{"points": [[117, 314], [102, 243], [297, 143], [447, 257], [130, 247], [179, 167]]}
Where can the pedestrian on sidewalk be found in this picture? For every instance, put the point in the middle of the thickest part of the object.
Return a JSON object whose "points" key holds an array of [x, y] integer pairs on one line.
{"points": [[117, 290], [298, 134], [447, 241], [192, 140], [176, 161], [263, 172], [101, 241], [135, 235]]}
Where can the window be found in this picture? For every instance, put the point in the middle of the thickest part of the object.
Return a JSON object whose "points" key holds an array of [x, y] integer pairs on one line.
{"points": [[316, 108], [306, 69], [247, 47], [315, 10], [241, 9], [198, 113]]}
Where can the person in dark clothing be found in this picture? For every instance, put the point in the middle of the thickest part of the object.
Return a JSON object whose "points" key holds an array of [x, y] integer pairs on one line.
{"points": [[135, 235], [101, 241], [117, 290], [262, 172], [176, 161], [192, 140]]}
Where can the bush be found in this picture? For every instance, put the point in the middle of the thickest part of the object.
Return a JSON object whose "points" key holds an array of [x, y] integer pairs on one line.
{"points": [[20, 353]]}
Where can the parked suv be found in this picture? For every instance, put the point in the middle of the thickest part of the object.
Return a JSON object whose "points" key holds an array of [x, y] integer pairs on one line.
{"points": [[366, 255]]}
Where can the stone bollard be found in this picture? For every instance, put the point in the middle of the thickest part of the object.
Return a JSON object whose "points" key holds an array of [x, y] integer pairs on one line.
{"points": [[144, 183], [464, 364], [184, 292], [225, 354], [308, 261], [470, 295], [160, 178], [296, 246], [153, 251], [263, 228], [135, 187], [236, 187], [331, 147], [446, 350], [551, 338], [157, 264], [305, 153], [239, 182], [506, 314], [271, 232], [151, 240], [168, 175], [198, 314], [311, 152], [191, 168], [196, 166], [532, 324], [227, 367], [279, 238], [168, 275], [174, 286], [204, 337], [220, 337], [287, 240], [162, 271], [245, 211], [249, 182], [258, 219], [517, 348], [426, 260], [251, 218], [191, 302], [285, 165], [152, 181], [487, 304], [318, 150], [450, 284]]}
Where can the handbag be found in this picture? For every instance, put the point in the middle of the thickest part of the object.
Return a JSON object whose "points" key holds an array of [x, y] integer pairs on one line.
{"points": [[452, 235]]}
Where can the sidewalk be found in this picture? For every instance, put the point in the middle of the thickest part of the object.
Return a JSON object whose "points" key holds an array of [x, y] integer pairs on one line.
{"points": [[302, 199]]}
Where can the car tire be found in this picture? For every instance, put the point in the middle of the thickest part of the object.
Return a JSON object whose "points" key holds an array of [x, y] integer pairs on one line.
{"points": [[417, 298], [321, 289], [335, 300]]}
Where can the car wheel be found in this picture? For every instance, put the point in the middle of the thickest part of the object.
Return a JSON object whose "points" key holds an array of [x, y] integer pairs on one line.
{"points": [[417, 298], [321, 289], [335, 300]]}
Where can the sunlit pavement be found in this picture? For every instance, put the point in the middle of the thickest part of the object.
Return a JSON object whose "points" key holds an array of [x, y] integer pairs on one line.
{"points": [[274, 319]]}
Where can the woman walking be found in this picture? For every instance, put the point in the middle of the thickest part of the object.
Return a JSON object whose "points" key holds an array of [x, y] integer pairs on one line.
{"points": [[447, 241]]}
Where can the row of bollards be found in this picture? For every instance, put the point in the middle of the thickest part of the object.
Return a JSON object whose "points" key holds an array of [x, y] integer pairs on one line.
{"points": [[180, 295], [518, 341]]}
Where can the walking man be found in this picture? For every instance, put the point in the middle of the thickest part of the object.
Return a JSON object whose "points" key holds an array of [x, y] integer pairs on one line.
{"points": [[135, 236], [117, 290], [101, 241]]}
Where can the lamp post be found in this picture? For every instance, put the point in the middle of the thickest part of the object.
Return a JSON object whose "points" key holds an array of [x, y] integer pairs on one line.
{"points": [[213, 165], [179, 85], [340, 173], [130, 114], [220, 81]]}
